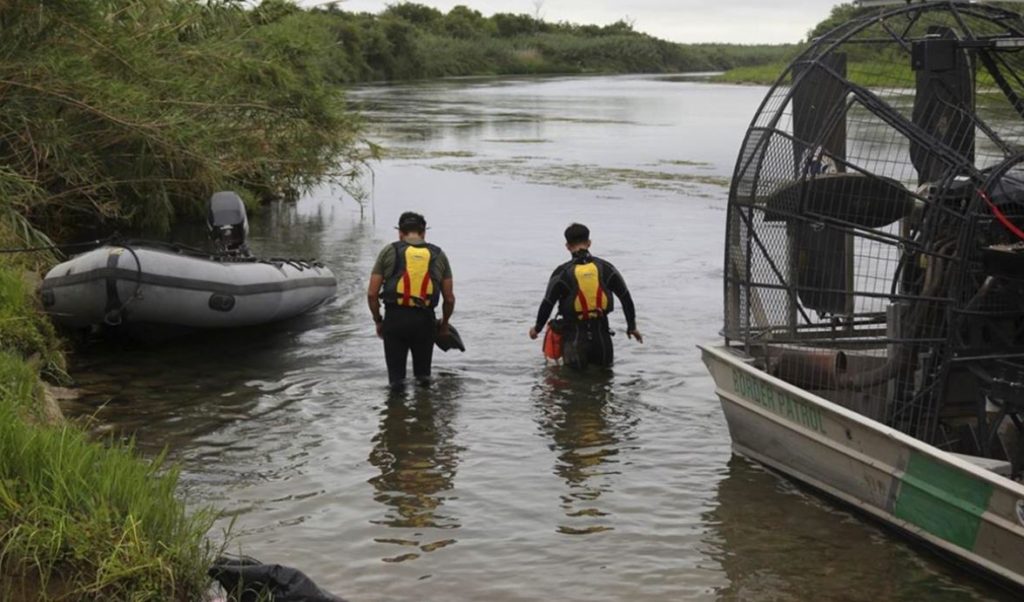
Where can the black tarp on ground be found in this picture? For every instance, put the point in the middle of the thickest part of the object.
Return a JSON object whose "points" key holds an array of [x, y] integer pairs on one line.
{"points": [[247, 579]]}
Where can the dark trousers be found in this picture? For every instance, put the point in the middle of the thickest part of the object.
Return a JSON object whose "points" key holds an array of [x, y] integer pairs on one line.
{"points": [[408, 329], [587, 342]]}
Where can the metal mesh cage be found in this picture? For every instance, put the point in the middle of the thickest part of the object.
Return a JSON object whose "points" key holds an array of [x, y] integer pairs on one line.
{"points": [[875, 232]]}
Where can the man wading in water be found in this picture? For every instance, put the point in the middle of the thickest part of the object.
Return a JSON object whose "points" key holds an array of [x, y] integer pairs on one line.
{"points": [[410, 275], [581, 289]]}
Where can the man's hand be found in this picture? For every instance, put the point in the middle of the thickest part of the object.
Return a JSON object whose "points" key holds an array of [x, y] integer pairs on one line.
{"points": [[373, 301], [533, 332], [635, 334], [442, 329]]}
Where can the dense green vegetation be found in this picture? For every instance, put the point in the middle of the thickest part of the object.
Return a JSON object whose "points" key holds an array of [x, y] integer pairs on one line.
{"points": [[83, 521], [412, 41], [870, 65], [79, 520], [133, 111]]}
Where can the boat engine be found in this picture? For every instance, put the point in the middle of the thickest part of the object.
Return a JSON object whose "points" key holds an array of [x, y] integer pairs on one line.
{"points": [[228, 223]]}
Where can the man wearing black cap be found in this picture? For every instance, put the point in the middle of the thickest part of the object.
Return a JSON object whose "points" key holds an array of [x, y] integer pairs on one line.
{"points": [[582, 289], [410, 276]]}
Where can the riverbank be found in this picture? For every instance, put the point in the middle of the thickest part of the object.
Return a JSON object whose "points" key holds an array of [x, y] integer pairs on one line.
{"points": [[410, 41], [870, 74], [126, 116], [80, 519]]}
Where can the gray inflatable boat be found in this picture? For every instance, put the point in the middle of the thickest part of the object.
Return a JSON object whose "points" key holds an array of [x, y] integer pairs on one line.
{"points": [[164, 285]]}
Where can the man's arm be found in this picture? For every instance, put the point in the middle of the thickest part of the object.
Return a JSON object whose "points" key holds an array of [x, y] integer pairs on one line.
{"points": [[384, 264], [551, 297], [373, 300], [617, 285], [447, 292], [448, 303], [542, 317]]}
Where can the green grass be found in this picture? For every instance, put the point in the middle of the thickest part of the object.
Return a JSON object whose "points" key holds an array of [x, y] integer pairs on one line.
{"points": [[870, 74], [23, 328], [92, 520], [755, 74], [80, 519]]}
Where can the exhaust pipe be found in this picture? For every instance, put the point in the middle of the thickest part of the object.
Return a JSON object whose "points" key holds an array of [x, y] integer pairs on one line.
{"points": [[810, 369]]}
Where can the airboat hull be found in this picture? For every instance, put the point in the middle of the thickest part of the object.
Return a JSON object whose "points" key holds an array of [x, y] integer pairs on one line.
{"points": [[960, 509]]}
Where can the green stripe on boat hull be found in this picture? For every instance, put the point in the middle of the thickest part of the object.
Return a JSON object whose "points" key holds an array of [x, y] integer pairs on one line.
{"points": [[942, 500]]}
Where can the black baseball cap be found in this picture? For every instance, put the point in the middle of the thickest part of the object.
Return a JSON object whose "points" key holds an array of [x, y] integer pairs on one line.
{"points": [[410, 221]]}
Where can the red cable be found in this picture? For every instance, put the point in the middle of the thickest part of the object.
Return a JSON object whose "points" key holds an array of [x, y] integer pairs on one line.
{"points": [[999, 215]]}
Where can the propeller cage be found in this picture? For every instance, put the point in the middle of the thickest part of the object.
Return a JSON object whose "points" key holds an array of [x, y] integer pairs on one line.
{"points": [[861, 221]]}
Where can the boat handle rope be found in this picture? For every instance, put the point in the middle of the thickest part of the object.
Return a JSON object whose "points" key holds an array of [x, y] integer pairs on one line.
{"points": [[113, 317]]}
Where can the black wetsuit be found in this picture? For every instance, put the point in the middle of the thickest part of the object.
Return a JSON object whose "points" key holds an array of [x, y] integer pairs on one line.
{"points": [[409, 328], [585, 341]]}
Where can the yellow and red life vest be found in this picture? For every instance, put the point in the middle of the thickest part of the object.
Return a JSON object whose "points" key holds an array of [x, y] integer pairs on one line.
{"points": [[589, 298], [411, 283]]}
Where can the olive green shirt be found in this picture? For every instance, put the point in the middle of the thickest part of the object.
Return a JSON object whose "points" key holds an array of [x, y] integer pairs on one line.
{"points": [[386, 259]]}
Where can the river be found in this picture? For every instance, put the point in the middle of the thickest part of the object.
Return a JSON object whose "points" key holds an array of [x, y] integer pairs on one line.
{"points": [[507, 479]]}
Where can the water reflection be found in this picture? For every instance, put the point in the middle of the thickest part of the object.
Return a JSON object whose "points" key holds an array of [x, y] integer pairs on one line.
{"points": [[171, 393], [417, 456], [774, 542], [276, 229], [480, 108], [588, 427]]}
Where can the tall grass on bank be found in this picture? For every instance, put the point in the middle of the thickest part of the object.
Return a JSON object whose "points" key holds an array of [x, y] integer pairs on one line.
{"points": [[81, 520], [880, 73], [24, 330], [91, 522], [133, 111]]}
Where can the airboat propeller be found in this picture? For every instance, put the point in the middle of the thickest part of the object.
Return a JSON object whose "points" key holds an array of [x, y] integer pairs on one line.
{"points": [[878, 203], [874, 277]]}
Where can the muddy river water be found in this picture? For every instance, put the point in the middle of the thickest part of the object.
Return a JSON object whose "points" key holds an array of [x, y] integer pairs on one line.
{"points": [[507, 479]]}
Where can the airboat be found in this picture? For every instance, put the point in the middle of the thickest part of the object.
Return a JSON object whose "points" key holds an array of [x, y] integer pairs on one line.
{"points": [[874, 277]]}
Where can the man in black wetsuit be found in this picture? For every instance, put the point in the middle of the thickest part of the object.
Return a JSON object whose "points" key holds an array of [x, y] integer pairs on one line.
{"points": [[582, 289], [410, 275]]}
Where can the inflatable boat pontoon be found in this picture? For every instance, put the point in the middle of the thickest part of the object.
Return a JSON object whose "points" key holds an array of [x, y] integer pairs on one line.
{"points": [[163, 285]]}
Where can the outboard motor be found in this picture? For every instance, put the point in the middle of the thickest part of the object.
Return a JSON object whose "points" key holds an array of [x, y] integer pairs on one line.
{"points": [[228, 223]]}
